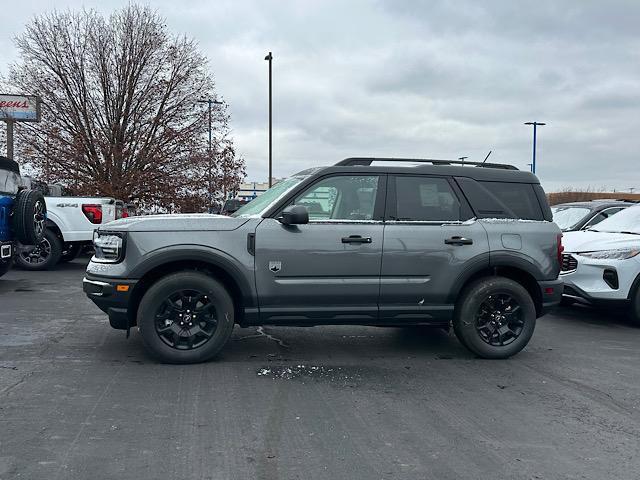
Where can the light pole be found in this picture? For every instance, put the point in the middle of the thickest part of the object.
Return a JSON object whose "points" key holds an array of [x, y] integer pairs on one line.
{"points": [[535, 125], [269, 58], [462, 159], [210, 102]]}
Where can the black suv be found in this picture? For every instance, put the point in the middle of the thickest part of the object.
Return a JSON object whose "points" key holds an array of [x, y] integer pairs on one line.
{"points": [[422, 242]]}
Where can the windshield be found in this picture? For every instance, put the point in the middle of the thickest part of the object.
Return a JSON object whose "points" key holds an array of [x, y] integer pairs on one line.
{"points": [[568, 217], [262, 202], [625, 221]]}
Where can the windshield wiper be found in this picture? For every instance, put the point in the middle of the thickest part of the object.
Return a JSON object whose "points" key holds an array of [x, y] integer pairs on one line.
{"points": [[631, 233]]}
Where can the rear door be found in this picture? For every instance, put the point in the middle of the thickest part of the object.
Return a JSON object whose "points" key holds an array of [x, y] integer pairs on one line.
{"points": [[329, 269], [429, 243]]}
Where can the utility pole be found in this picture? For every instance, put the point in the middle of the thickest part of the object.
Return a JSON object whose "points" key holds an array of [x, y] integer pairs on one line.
{"points": [[269, 58], [9, 139], [535, 125], [210, 102]]}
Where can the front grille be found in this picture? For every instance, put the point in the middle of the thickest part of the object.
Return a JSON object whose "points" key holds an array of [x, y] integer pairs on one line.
{"points": [[569, 263]]}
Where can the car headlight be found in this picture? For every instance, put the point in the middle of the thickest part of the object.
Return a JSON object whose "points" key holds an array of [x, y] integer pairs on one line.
{"points": [[109, 246], [618, 254]]}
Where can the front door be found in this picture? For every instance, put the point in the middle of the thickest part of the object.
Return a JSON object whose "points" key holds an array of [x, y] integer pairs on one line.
{"points": [[428, 246], [326, 271]]}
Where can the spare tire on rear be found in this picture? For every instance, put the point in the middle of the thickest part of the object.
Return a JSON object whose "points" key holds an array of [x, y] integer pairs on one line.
{"points": [[29, 216]]}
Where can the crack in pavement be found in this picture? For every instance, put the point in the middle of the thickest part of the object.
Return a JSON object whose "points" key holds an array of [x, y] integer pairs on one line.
{"points": [[262, 333]]}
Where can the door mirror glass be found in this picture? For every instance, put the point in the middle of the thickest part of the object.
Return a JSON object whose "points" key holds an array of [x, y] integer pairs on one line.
{"points": [[294, 215]]}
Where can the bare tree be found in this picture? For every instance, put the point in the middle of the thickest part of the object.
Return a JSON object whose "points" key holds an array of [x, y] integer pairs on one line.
{"points": [[119, 113]]}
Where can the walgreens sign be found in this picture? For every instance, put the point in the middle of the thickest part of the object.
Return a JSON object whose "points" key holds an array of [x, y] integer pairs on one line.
{"points": [[19, 108]]}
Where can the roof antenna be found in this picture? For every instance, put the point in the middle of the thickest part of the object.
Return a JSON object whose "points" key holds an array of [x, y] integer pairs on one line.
{"points": [[485, 158]]}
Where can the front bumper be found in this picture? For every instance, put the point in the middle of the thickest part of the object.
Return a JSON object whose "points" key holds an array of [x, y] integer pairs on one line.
{"points": [[588, 280], [551, 294], [112, 296]]}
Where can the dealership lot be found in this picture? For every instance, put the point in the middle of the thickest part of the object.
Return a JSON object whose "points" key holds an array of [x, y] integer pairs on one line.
{"points": [[77, 400]]}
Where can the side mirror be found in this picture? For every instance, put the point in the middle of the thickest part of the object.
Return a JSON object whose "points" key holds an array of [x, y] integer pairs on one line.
{"points": [[294, 215]]}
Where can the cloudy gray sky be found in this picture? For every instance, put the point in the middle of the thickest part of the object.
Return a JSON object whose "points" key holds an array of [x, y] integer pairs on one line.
{"points": [[405, 78]]}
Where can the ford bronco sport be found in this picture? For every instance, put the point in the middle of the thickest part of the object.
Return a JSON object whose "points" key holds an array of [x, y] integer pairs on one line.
{"points": [[384, 242]]}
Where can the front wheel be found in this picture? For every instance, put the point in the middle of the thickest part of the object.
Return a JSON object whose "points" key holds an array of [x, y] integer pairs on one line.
{"points": [[186, 317], [495, 317], [44, 256]]}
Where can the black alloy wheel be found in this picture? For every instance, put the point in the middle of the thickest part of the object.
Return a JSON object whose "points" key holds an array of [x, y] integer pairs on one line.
{"points": [[499, 319], [494, 317], [187, 319]]}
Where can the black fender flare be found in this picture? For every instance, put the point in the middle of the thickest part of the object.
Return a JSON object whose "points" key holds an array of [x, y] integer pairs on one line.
{"points": [[202, 254], [486, 262]]}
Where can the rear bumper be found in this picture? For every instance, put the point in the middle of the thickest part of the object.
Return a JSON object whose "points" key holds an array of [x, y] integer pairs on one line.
{"points": [[551, 291], [112, 296], [7, 250]]}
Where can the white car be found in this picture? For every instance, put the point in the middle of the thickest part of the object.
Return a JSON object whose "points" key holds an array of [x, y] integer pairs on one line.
{"points": [[602, 265], [69, 226]]}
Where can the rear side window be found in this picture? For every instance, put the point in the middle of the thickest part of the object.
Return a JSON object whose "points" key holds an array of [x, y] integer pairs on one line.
{"points": [[422, 198], [520, 198], [504, 199]]}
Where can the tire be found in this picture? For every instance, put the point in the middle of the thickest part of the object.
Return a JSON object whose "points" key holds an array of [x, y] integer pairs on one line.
{"points": [[29, 216], [5, 266], [486, 304], [70, 251], [634, 308], [172, 299], [45, 256]]}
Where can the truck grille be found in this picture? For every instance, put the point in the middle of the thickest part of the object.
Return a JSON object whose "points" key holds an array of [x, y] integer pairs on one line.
{"points": [[569, 263]]}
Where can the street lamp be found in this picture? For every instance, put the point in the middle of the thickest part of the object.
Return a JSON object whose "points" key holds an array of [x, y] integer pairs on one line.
{"points": [[530, 165], [535, 125], [269, 58], [462, 159], [210, 102]]}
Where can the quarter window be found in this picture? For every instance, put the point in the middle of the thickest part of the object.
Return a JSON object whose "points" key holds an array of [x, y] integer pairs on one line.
{"points": [[341, 197], [425, 199]]}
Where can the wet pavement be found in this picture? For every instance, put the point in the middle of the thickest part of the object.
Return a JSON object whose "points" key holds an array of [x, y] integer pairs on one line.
{"points": [[78, 400]]}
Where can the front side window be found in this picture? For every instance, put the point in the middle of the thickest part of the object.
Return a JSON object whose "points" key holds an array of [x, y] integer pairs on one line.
{"points": [[341, 197], [425, 199]]}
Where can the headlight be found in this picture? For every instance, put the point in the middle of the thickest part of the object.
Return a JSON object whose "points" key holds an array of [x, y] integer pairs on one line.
{"points": [[618, 254], [109, 246]]}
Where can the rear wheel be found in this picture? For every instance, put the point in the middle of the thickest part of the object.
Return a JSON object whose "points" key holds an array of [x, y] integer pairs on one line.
{"points": [[44, 256], [495, 317], [186, 317]]}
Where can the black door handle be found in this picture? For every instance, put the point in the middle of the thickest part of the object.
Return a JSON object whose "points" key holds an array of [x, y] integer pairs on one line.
{"points": [[458, 241], [356, 239]]}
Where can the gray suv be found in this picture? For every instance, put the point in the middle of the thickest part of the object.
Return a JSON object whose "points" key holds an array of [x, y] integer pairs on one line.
{"points": [[385, 242]]}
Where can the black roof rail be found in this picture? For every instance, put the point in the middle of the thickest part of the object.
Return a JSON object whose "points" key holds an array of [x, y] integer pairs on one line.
{"points": [[349, 162]]}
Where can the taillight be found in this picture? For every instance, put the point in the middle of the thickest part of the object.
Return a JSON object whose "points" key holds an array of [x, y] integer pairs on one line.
{"points": [[125, 213], [93, 213], [560, 248]]}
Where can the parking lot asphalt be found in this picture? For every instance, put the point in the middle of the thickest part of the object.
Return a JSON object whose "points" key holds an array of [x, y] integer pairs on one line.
{"points": [[78, 400]]}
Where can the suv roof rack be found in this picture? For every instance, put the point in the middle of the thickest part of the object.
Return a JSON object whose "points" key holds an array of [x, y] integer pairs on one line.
{"points": [[349, 162]]}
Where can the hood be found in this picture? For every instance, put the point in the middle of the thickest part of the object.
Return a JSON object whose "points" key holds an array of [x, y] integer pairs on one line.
{"points": [[589, 241], [171, 223]]}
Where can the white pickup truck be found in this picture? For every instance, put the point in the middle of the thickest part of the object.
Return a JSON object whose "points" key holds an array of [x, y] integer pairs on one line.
{"points": [[69, 227]]}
